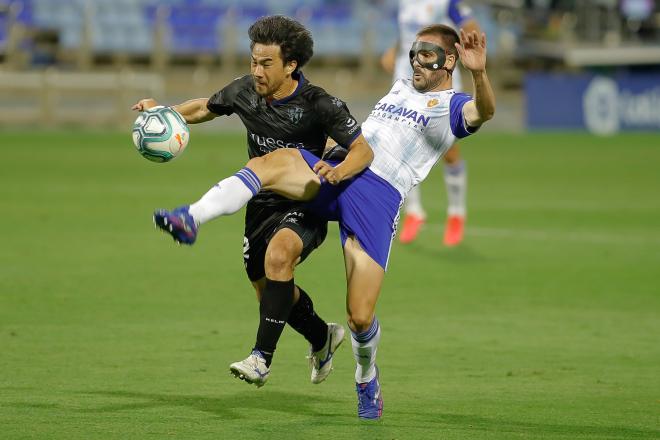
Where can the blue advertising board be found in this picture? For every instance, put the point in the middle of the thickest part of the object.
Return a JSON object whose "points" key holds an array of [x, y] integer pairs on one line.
{"points": [[600, 104]]}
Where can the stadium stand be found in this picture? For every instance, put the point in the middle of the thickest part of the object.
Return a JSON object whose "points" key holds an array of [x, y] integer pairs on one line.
{"points": [[196, 26], [184, 44]]}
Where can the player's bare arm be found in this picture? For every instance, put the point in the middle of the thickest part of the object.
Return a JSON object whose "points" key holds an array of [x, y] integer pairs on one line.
{"points": [[472, 52], [194, 111], [358, 158]]}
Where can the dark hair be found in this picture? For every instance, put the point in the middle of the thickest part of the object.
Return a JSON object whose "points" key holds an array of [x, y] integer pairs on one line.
{"points": [[294, 40], [448, 35]]}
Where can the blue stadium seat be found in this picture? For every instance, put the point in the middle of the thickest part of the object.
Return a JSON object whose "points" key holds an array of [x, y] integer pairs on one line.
{"points": [[197, 25], [246, 15], [335, 27], [26, 13]]}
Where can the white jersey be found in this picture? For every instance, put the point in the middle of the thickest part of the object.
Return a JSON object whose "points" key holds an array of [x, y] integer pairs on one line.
{"points": [[409, 131], [414, 15]]}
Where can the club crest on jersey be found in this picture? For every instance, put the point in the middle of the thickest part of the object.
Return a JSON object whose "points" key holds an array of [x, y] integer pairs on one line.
{"points": [[432, 103], [295, 114]]}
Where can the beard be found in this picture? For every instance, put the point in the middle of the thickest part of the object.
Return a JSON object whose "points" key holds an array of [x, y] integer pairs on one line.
{"points": [[424, 80], [420, 81]]}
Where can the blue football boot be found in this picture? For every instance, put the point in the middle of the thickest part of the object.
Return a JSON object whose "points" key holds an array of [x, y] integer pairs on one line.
{"points": [[178, 223], [370, 399]]}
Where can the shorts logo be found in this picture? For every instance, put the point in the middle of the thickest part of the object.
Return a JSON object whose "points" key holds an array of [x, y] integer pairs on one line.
{"points": [[293, 217], [295, 114], [338, 102]]}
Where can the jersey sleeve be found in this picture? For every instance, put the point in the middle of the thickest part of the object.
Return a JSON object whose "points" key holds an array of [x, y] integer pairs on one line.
{"points": [[459, 127], [458, 12], [336, 119], [222, 102]]}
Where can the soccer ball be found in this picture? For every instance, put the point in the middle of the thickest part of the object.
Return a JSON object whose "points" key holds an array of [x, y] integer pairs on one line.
{"points": [[160, 134]]}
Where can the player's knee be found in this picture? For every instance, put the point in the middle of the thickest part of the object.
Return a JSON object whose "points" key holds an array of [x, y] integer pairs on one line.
{"points": [[273, 166], [257, 164], [360, 320], [280, 261]]}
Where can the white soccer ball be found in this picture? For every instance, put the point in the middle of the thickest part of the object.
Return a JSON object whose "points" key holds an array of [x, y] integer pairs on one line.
{"points": [[160, 134]]}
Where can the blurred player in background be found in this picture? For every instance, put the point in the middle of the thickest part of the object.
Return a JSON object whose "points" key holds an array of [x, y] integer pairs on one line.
{"points": [[409, 129], [280, 109], [414, 15]]}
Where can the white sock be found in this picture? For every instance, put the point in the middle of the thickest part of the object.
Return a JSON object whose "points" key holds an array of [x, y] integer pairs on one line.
{"points": [[414, 202], [226, 197], [365, 345], [456, 183]]}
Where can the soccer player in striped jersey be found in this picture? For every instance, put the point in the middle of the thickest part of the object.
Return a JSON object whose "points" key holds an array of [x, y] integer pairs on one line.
{"points": [[409, 130]]}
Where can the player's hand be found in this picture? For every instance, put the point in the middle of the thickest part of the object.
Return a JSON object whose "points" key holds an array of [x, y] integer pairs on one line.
{"points": [[472, 50], [327, 172], [144, 104]]}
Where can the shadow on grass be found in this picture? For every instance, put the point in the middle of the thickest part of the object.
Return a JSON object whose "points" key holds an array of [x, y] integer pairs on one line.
{"points": [[414, 423], [232, 406]]}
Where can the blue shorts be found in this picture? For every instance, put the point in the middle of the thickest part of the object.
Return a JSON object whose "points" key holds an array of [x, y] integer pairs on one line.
{"points": [[365, 206]]}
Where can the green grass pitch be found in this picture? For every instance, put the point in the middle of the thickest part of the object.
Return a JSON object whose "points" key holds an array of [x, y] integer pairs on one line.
{"points": [[545, 324]]}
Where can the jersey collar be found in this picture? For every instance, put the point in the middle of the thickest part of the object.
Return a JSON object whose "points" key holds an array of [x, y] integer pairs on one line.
{"points": [[298, 76]]}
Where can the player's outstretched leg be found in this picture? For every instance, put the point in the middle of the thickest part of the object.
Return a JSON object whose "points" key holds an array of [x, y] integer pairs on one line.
{"points": [[321, 360], [415, 216], [226, 197], [283, 171], [252, 369], [178, 223]]}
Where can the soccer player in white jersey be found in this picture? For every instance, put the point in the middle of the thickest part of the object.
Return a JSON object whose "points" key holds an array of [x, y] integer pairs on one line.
{"points": [[412, 16], [409, 130]]}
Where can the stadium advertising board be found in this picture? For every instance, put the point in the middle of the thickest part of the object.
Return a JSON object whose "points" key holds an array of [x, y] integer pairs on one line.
{"points": [[600, 104]]}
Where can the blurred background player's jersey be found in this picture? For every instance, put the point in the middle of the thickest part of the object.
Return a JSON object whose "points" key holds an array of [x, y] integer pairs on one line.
{"points": [[414, 15]]}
